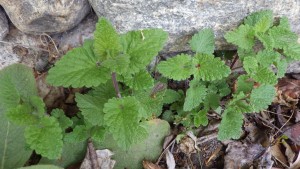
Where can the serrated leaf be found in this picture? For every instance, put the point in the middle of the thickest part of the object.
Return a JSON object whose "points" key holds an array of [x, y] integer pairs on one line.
{"points": [[255, 17], [118, 64], [63, 120], [142, 46], [222, 87], [104, 91], [151, 100], [194, 95], [98, 134], [122, 120], [281, 66], [212, 101], [239, 103], [231, 125], [78, 68], [206, 71], [171, 96], [168, 115], [263, 24], [244, 84], [267, 57], [17, 85], [140, 80], [45, 138], [292, 50], [91, 108], [242, 53], [203, 41], [243, 37], [266, 40], [284, 23], [264, 75], [282, 37], [179, 67], [22, 115], [107, 42], [262, 97], [38, 106], [80, 133], [250, 65], [200, 118]]}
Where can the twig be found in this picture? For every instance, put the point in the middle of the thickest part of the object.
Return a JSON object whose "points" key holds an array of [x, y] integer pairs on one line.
{"points": [[235, 58], [116, 86], [93, 155], [285, 122], [54, 44], [161, 155]]}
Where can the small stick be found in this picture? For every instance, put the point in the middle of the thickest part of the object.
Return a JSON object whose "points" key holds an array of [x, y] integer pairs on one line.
{"points": [[116, 86], [93, 155]]}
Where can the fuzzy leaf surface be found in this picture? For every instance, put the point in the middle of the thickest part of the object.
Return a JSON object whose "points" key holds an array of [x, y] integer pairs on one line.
{"points": [[107, 41], [203, 42], [231, 125], [140, 80], [262, 97], [22, 115], [91, 108], [292, 51], [79, 134], [282, 37], [142, 46], [17, 84], [206, 71], [263, 24], [250, 65], [45, 138], [171, 96], [255, 17], [118, 64], [264, 75], [200, 118], [243, 37], [122, 120], [194, 95], [63, 120], [179, 67], [78, 68], [244, 84]]}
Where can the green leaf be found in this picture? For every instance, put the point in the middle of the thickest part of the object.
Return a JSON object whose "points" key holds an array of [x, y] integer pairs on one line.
{"points": [[45, 138], [140, 80], [266, 40], [212, 101], [200, 118], [263, 24], [17, 85], [267, 57], [98, 134], [41, 167], [242, 53], [171, 96], [243, 37], [151, 100], [142, 46], [264, 75], [91, 108], [79, 134], [22, 115], [203, 41], [239, 103], [38, 106], [107, 42], [256, 17], [13, 151], [292, 51], [281, 66], [262, 97], [104, 91], [282, 37], [179, 67], [250, 65], [284, 23], [206, 71], [244, 84], [78, 68], [118, 64], [194, 95], [231, 125], [122, 120], [63, 120]]}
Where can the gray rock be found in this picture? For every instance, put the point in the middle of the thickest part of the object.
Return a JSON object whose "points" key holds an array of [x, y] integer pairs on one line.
{"points": [[182, 18], [3, 24], [51, 16]]}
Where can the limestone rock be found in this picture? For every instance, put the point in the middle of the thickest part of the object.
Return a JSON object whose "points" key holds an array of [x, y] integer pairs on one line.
{"points": [[3, 24], [52, 16], [182, 18]]}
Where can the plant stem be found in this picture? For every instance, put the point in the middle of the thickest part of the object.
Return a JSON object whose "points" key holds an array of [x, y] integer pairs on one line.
{"points": [[235, 58], [116, 86]]}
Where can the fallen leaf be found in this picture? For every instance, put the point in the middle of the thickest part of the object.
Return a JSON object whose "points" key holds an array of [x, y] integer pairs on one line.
{"points": [[170, 160], [288, 152], [276, 152], [296, 164], [150, 165]]}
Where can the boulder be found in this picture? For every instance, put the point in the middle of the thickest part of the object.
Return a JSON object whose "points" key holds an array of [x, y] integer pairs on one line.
{"points": [[3, 24], [52, 16], [182, 18]]}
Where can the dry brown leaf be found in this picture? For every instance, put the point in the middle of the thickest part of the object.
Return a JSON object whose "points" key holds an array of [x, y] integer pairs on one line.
{"points": [[288, 152], [288, 91], [293, 133], [276, 152], [150, 165], [296, 164]]}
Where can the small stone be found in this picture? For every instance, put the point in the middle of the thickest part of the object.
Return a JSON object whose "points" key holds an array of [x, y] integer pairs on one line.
{"points": [[53, 16], [3, 24]]}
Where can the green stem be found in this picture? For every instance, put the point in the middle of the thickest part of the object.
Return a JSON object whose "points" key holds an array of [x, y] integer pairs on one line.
{"points": [[116, 85]]}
